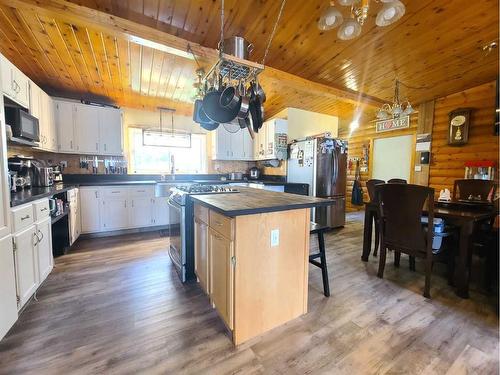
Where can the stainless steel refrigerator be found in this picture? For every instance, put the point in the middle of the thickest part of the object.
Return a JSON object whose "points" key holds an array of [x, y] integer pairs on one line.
{"points": [[321, 163]]}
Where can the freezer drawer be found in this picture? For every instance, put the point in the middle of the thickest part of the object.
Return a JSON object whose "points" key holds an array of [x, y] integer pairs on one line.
{"points": [[332, 216]]}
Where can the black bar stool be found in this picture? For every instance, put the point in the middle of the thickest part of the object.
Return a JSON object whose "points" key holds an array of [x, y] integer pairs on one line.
{"points": [[320, 230]]}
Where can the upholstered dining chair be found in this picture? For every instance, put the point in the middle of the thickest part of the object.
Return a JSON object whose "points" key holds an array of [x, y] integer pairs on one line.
{"points": [[397, 181], [401, 229], [470, 188], [370, 186]]}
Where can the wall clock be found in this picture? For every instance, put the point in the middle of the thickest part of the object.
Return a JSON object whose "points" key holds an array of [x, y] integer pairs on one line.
{"points": [[458, 126]]}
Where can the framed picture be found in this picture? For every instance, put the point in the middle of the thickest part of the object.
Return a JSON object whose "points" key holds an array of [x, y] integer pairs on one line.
{"points": [[458, 126]]}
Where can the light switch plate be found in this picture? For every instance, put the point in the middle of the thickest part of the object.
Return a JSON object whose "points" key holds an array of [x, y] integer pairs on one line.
{"points": [[418, 168], [275, 237]]}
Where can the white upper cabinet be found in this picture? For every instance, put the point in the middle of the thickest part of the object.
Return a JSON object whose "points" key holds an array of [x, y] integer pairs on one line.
{"points": [[110, 131], [64, 116], [231, 146], [87, 128], [15, 85]]}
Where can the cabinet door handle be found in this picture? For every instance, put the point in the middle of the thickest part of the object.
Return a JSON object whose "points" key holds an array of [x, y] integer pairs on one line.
{"points": [[217, 237], [105, 148], [125, 204], [41, 234], [35, 236], [71, 144], [132, 203], [43, 209], [25, 217], [218, 223], [95, 193]]}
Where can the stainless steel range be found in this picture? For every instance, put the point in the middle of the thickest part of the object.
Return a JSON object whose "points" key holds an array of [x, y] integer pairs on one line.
{"points": [[181, 249]]}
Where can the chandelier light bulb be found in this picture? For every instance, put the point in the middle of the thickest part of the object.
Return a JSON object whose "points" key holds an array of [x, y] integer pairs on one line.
{"points": [[391, 12], [330, 19], [350, 29]]}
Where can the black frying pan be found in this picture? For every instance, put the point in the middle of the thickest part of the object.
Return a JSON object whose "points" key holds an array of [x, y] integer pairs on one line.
{"points": [[200, 117]]}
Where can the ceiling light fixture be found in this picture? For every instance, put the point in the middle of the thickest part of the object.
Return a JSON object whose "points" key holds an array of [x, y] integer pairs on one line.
{"points": [[397, 108], [350, 28]]}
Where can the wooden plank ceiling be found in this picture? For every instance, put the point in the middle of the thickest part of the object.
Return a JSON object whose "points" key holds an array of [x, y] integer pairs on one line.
{"points": [[436, 46]]}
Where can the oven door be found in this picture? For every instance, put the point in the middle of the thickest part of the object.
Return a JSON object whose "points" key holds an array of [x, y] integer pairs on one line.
{"points": [[177, 236]]}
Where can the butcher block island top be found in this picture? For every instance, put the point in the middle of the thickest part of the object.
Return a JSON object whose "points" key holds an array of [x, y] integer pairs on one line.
{"points": [[251, 201], [251, 257]]}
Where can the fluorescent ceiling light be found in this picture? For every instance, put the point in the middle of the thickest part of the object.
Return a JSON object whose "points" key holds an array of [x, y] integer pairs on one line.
{"points": [[161, 47]]}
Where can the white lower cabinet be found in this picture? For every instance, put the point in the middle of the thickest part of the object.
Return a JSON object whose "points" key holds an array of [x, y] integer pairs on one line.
{"points": [[90, 209], [32, 245], [8, 301], [140, 212], [106, 209], [44, 249], [114, 214], [26, 262], [160, 207], [75, 223]]}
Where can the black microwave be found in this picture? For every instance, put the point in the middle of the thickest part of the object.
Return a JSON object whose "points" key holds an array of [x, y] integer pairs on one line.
{"points": [[22, 123]]}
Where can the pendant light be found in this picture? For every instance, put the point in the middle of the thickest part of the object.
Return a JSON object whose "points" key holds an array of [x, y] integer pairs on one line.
{"points": [[391, 12], [397, 108], [166, 138], [330, 18], [350, 29]]}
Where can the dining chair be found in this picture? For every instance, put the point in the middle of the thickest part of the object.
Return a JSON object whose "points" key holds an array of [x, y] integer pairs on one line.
{"points": [[401, 229], [370, 186], [470, 188], [397, 181]]}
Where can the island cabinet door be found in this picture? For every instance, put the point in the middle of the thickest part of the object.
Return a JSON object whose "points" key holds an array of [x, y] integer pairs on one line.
{"points": [[221, 275], [201, 254]]}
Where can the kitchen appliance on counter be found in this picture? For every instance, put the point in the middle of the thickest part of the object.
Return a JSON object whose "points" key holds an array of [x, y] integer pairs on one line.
{"points": [[19, 172], [181, 213], [322, 163], [42, 175], [25, 127], [236, 176], [254, 173]]}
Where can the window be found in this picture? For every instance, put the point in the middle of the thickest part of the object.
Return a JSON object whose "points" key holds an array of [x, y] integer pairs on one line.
{"points": [[158, 159]]}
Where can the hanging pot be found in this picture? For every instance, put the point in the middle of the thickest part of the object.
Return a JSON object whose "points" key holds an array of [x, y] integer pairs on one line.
{"points": [[255, 114], [258, 90], [216, 112], [238, 47], [200, 117], [230, 98], [209, 125]]}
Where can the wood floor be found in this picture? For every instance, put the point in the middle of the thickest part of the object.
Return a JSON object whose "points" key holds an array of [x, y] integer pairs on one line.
{"points": [[115, 306]]}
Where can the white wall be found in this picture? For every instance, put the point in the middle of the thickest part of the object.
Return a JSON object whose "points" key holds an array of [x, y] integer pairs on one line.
{"points": [[392, 157], [303, 123]]}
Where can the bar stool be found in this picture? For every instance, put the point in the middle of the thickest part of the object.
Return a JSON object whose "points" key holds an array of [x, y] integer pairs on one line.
{"points": [[320, 230]]}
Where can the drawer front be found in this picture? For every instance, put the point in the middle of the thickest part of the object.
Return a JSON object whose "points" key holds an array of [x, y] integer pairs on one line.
{"points": [[22, 217], [221, 224], [115, 192], [201, 212], [142, 191], [41, 209]]}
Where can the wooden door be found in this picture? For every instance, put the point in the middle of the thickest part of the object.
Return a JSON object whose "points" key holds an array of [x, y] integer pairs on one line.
{"points": [[110, 131], [8, 302], [90, 210], [87, 128], [201, 263], [221, 275], [26, 262], [64, 119], [44, 249]]}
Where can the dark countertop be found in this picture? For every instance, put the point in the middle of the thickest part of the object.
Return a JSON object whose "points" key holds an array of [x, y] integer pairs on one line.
{"points": [[254, 201], [35, 193], [113, 183]]}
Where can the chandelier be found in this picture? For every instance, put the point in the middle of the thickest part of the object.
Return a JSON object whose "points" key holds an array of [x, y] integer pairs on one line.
{"points": [[396, 109], [350, 28]]}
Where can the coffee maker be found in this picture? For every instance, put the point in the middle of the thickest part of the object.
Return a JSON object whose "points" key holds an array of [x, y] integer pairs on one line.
{"points": [[19, 172]]}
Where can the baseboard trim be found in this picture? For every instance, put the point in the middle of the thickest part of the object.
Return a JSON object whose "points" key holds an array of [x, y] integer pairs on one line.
{"points": [[123, 231]]}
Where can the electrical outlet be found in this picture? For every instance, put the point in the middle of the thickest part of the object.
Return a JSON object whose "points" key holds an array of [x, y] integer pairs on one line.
{"points": [[275, 237]]}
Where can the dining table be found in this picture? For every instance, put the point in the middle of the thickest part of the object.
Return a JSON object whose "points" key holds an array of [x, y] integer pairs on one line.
{"points": [[466, 218]]}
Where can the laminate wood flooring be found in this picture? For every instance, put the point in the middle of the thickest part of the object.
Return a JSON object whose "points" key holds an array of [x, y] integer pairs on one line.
{"points": [[116, 306]]}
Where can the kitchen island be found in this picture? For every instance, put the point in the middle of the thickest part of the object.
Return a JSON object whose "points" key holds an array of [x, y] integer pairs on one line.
{"points": [[251, 257]]}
